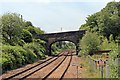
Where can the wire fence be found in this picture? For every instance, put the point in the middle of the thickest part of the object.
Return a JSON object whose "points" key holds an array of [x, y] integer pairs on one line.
{"points": [[102, 67]]}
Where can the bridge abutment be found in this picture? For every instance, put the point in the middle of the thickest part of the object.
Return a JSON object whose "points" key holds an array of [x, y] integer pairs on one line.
{"points": [[72, 36]]}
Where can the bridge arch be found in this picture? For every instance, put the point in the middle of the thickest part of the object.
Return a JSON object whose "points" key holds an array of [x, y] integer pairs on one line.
{"points": [[62, 40], [72, 36], [50, 46]]}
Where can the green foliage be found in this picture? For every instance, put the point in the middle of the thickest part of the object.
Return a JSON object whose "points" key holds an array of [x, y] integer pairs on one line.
{"points": [[14, 28], [108, 45], [6, 62], [28, 23], [68, 45], [16, 56], [11, 25], [26, 36], [12, 57], [105, 22], [19, 44], [57, 47], [34, 30], [114, 62], [35, 48], [31, 57], [105, 45], [90, 43], [39, 42]]}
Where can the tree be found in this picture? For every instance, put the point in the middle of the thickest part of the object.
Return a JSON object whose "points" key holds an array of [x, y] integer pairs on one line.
{"points": [[12, 25], [28, 23], [90, 43], [34, 30], [105, 22]]}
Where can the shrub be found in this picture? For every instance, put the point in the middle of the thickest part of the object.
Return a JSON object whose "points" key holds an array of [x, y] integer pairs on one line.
{"points": [[39, 42], [31, 56], [21, 42], [105, 44], [26, 36], [15, 56], [34, 30], [113, 63], [90, 43], [35, 48], [55, 49], [6, 62], [108, 45], [12, 56]]}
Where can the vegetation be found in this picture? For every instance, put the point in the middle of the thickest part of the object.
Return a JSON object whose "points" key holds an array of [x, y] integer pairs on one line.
{"points": [[19, 46], [88, 70], [105, 22], [60, 46], [11, 25], [55, 48], [89, 43], [104, 34]]}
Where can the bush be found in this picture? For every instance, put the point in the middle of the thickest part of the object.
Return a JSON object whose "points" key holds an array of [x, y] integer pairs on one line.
{"points": [[39, 42], [113, 63], [12, 56], [21, 42], [15, 34], [34, 30], [55, 49], [90, 43], [31, 56], [26, 36], [16, 56], [105, 44], [6, 62], [35, 48], [108, 45]]}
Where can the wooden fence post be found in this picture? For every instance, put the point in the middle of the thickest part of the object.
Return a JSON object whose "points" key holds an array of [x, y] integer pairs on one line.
{"points": [[107, 71]]}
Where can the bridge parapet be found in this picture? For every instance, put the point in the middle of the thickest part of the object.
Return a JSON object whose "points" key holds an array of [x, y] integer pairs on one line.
{"points": [[73, 36]]}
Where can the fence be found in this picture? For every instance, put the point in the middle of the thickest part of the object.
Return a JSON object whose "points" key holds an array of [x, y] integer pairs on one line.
{"points": [[102, 67]]}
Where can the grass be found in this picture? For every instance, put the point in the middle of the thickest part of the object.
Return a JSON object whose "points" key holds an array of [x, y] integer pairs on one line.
{"points": [[88, 70]]}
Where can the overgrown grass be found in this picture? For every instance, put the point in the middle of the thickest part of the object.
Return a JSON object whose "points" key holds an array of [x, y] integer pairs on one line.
{"points": [[88, 70]]}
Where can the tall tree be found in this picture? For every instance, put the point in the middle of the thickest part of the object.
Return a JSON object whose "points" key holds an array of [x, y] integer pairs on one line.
{"points": [[11, 24], [105, 22]]}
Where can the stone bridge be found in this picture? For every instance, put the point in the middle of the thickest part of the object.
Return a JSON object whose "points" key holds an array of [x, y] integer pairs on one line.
{"points": [[72, 36]]}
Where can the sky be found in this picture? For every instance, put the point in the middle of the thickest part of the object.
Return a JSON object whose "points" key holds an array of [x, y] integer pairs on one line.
{"points": [[54, 15]]}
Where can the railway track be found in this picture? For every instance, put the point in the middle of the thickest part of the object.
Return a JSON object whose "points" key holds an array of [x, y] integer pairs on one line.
{"points": [[18, 73], [60, 69], [72, 70], [48, 61], [38, 69]]}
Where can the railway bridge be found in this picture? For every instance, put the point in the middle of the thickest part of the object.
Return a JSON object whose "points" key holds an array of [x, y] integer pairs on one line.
{"points": [[72, 36]]}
